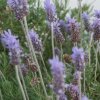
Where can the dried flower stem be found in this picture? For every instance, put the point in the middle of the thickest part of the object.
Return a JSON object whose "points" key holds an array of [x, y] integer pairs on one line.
{"points": [[79, 84], [33, 53], [52, 39], [19, 82]]}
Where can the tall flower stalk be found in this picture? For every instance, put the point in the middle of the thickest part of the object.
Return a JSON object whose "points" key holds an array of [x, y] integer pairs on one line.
{"points": [[50, 10], [78, 58], [58, 73], [80, 15], [33, 53], [12, 44]]}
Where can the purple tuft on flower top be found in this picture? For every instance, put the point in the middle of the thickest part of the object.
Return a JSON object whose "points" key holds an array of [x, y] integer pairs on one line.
{"points": [[50, 10], [57, 33], [58, 72], [96, 29], [73, 28], [35, 40], [19, 7], [85, 18], [78, 58], [97, 13], [12, 44]]}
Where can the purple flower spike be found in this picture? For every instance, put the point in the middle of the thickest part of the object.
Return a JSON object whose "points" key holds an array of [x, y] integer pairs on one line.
{"points": [[35, 40], [57, 33], [73, 90], [78, 58], [12, 44], [97, 13], [19, 7], [58, 72], [73, 28], [96, 29], [85, 17], [50, 10]]}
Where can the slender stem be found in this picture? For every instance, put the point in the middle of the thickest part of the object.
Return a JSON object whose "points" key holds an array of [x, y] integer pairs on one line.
{"points": [[24, 86], [44, 65], [33, 53], [61, 51], [23, 27], [84, 81], [1, 97], [52, 39], [80, 15], [19, 82], [96, 64], [1, 74], [79, 84], [91, 38]]}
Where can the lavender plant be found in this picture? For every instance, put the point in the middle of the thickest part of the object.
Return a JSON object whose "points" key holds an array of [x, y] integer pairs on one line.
{"points": [[67, 77]]}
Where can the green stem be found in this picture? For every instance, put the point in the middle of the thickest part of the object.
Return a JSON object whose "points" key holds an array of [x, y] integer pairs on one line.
{"points": [[19, 82], [80, 16], [1, 74], [1, 97], [61, 51], [84, 81], [33, 53], [23, 27], [79, 84], [52, 39], [96, 64], [24, 86], [44, 65]]}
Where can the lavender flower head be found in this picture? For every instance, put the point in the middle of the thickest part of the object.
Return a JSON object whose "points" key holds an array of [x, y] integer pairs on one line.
{"points": [[12, 44], [97, 13], [19, 7], [78, 58], [58, 72], [96, 29], [35, 40], [73, 90], [85, 18], [57, 33], [50, 10], [73, 28]]}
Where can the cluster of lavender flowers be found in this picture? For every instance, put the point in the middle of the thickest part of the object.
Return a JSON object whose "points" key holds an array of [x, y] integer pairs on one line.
{"points": [[50, 10], [78, 59], [86, 19], [19, 7], [94, 26], [58, 73], [37, 44], [12, 44], [73, 28]]}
